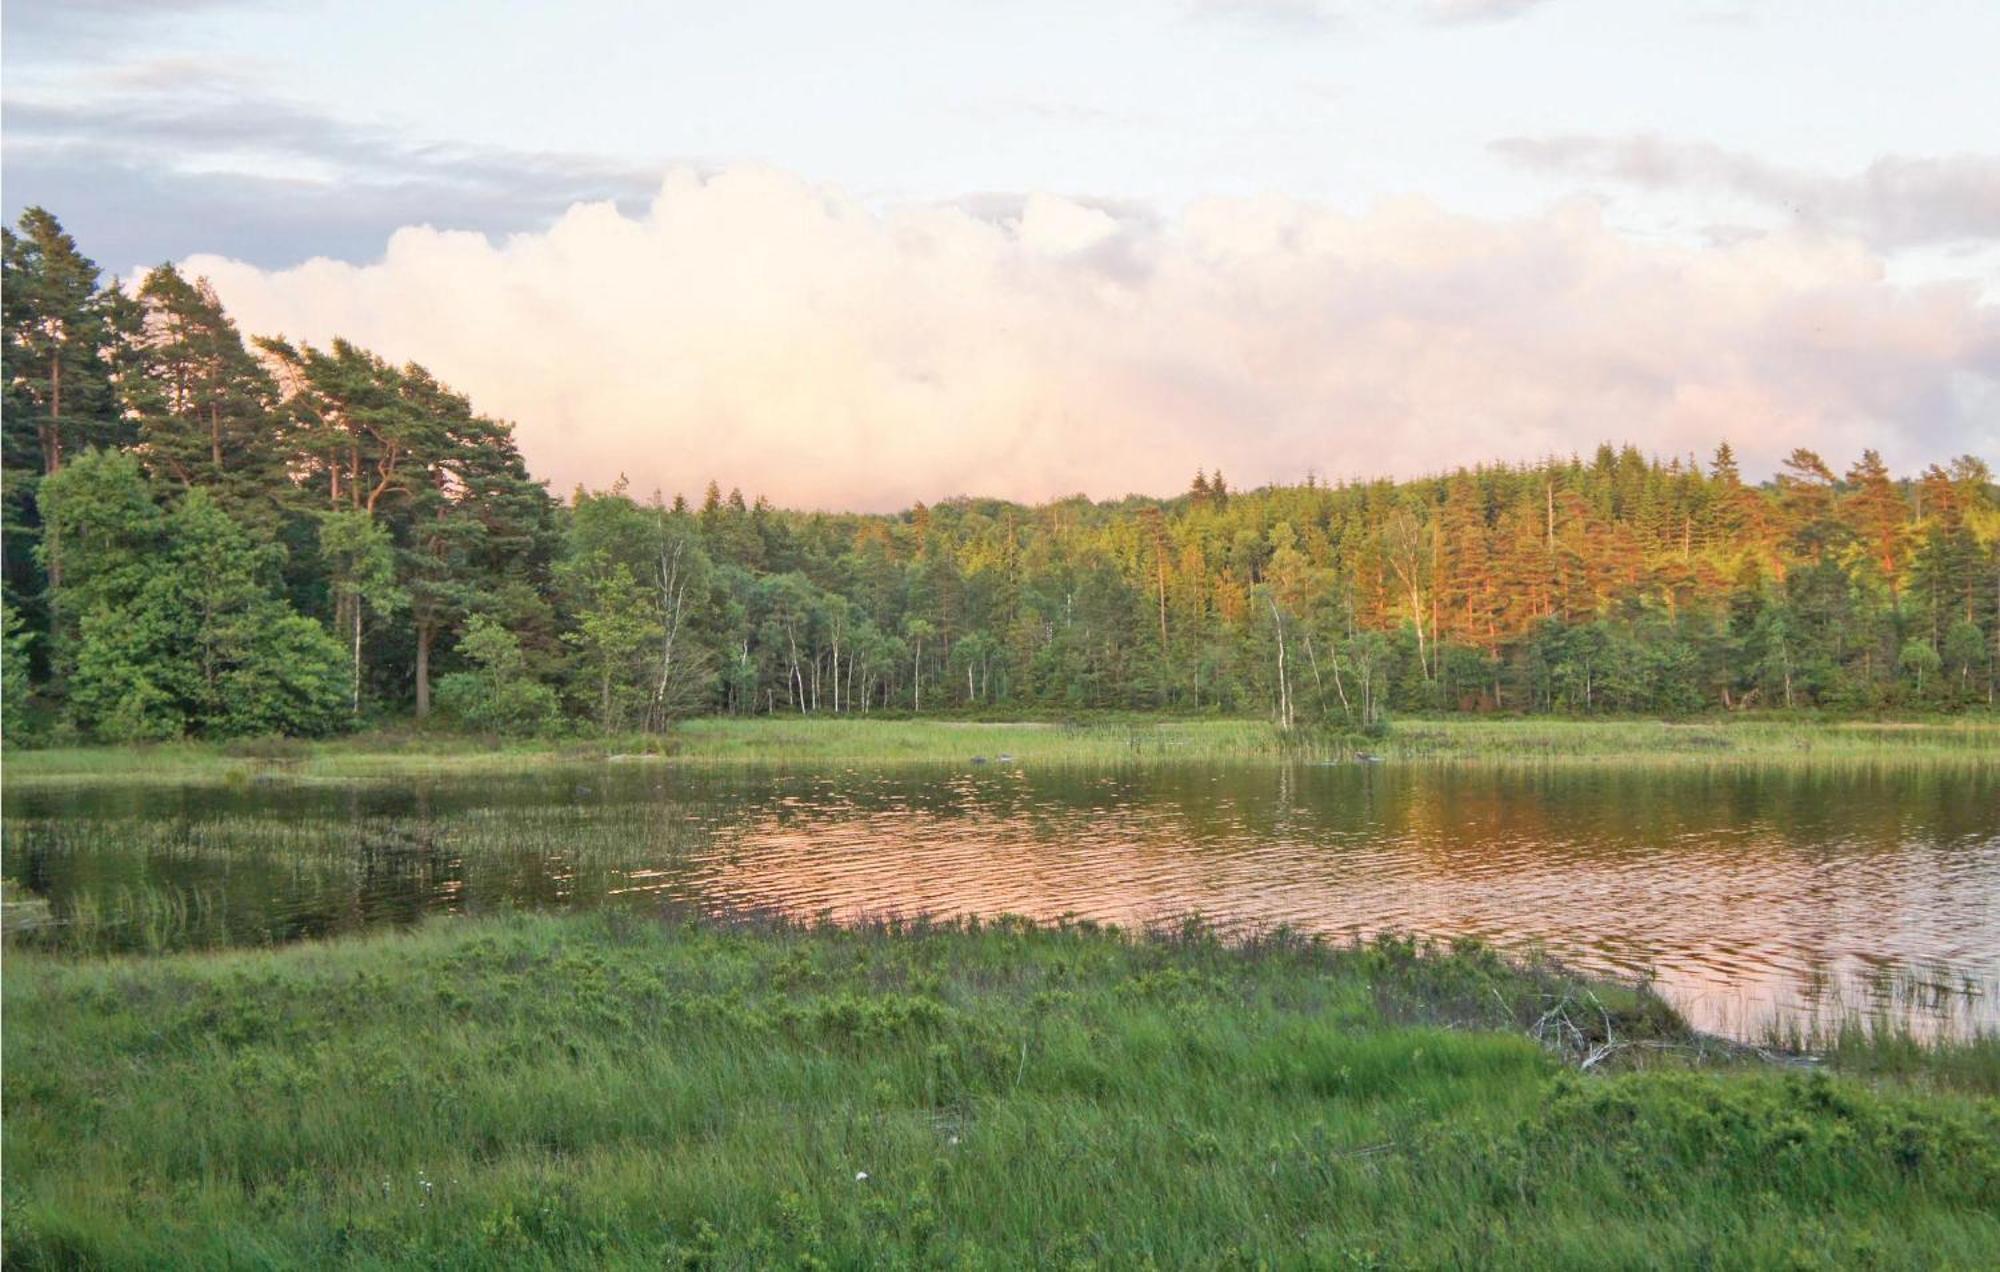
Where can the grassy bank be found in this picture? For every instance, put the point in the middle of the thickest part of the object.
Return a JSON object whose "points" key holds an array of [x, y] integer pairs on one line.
{"points": [[1971, 740], [591, 1092]]}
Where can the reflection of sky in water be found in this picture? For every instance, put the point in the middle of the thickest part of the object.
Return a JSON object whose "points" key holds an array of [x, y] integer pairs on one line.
{"points": [[1742, 890]]}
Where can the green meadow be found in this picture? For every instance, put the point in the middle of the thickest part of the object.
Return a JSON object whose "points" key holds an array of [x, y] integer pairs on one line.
{"points": [[606, 1091]]}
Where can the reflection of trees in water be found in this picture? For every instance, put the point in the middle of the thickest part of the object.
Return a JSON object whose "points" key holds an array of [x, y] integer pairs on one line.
{"points": [[1720, 872], [1728, 881], [1592, 812]]}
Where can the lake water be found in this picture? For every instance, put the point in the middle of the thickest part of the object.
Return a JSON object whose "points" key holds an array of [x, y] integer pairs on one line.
{"points": [[1742, 890]]}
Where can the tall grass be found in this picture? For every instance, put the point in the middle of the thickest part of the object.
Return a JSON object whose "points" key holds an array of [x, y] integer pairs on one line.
{"points": [[1757, 740], [1120, 740], [267, 876], [606, 1091]]}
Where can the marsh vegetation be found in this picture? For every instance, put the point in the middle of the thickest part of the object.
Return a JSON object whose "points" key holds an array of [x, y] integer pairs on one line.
{"points": [[615, 1092], [1751, 877], [1095, 739]]}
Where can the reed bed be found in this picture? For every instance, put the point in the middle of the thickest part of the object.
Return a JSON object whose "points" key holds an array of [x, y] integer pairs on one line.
{"points": [[1968, 741], [265, 877]]}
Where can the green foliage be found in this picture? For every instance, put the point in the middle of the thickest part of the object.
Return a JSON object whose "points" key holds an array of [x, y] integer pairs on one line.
{"points": [[202, 402], [615, 1092], [361, 561], [278, 673], [177, 626], [102, 510], [1616, 585], [58, 333], [14, 686], [1919, 661], [1966, 655], [500, 696], [616, 628], [1755, 742]]}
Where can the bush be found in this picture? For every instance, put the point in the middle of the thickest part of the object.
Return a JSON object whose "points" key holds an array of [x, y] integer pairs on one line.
{"points": [[14, 644], [501, 696]]}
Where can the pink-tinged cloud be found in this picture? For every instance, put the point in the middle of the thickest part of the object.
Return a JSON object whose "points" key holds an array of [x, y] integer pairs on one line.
{"points": [[785, 338]]}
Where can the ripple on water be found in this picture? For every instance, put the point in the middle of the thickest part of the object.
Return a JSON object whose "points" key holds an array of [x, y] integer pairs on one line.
{"points": [[1743, 891]]}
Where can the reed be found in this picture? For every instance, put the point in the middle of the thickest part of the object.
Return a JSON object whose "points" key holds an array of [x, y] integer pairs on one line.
{"points": [[610, 1091], [1967, 741], [265, 877]]}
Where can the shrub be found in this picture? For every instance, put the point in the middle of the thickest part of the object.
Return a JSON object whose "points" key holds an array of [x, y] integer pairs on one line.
{"points": [[501, 696]]}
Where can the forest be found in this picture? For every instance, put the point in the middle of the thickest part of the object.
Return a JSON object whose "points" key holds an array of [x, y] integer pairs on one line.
{"points": [[208, 535]]}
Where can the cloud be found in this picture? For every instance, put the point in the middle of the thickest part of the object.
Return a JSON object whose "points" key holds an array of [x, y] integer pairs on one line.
{"points": [[160, 157], [84, 29], [1296, 15], [782, 337], [1895, 202], [1323, 15], [1469, 11]]}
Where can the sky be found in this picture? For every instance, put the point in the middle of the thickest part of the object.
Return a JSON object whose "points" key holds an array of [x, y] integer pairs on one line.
{"points": [[856, 255]]}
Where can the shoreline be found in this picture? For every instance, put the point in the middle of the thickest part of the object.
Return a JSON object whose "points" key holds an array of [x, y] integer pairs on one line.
{"points": [[1521, 742]]}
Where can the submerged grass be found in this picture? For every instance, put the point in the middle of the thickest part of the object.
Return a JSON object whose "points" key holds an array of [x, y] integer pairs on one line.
{"points": [[1088, 740], [270, 876], [609, 1091]]}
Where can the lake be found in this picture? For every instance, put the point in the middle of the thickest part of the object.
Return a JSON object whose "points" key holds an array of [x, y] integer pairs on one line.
{"points": [[1744, 890]]}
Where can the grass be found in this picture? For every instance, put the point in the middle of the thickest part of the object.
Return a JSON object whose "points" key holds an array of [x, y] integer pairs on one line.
{"points": [[611, 1091], [1116, 740], [281, 874]]}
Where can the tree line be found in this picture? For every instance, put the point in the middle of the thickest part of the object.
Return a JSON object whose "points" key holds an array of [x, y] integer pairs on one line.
{"points": [[213, 536]]}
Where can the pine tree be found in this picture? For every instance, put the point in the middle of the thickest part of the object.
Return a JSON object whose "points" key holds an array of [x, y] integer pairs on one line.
{"points": [[1946, 573], [204, 405], [1879, 516], [1806, 501], [59, 340]]}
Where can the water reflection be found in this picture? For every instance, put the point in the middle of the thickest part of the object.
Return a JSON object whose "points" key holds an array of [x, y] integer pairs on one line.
{"points": [[1743, 890]]}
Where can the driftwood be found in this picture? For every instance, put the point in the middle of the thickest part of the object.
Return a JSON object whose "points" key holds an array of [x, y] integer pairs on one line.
{"points": [[1570, 1028]]}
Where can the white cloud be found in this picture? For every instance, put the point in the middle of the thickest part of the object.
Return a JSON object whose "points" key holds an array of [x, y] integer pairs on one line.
{"points": [[1303, 15], [1309, 15], [1480, 10], [784, 337]]}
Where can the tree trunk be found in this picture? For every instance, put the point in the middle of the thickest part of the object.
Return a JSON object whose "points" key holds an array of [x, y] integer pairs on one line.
{"points": [[1319, 686], [1284, 686], [1417, 616], [1346, 711], [426, 632], [52, 464], [797, 686], [354, 690], [52, 453], [670, 635]]}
